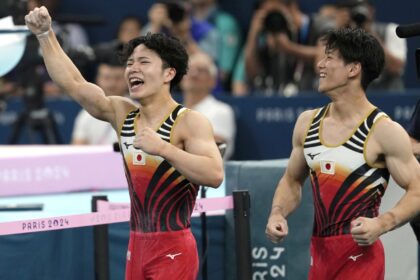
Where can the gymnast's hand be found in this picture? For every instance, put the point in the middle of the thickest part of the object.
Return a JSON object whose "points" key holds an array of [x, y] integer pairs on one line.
{"points": [[365, 231], [38, 20], [277, 228], [149, 141]]}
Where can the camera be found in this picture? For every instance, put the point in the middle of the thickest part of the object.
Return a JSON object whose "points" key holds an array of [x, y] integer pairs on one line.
{"points": [[176, 10], [358, 9], [16, 8], [360, 14], [275, 22]]}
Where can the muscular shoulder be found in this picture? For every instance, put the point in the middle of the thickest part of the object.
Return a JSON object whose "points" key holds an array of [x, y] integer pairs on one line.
{"points": [[192, 121], [121, 106], [303, 122], [391, 137], [301, 127], [191, 125]]}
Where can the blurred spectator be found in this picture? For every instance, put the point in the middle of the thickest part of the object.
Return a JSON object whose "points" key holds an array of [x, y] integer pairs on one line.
{"points": [[174, 18], [281, 47], [128, 28], [196, 88], [361, 13], [87, 129], [72, 34], [230, 35], [239, 82], [328, 11]]}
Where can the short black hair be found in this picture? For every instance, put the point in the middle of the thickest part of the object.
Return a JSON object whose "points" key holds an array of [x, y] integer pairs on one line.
{"points": [[356, 45], [169, 49]]}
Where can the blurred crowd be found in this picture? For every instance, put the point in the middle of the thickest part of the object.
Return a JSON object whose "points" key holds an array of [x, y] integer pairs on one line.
{"points": [[277, 56]]}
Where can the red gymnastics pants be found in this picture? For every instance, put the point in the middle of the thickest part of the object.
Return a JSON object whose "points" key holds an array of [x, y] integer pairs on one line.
{"points": [[162, 256], [340, 258]]}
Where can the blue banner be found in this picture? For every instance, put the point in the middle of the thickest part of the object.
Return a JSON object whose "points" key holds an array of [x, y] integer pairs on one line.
{"points": [[264, 125]]}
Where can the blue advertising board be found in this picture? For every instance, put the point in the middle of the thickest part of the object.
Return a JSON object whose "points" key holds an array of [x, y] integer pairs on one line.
{"points": [[264, 125]]}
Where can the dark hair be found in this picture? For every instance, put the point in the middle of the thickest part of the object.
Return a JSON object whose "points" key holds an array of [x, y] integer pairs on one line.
{"points": [[169, 49], [275, 22], [177, 11], [356, 45]]}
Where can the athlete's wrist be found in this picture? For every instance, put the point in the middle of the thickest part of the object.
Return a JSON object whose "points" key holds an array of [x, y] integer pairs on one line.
{"points": [[278, 210], [164, 150], [43, 35], [387, 222]]}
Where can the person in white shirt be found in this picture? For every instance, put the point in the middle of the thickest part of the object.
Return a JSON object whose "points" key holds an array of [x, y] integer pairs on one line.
{"points": [[88, 130], [197, 88]]}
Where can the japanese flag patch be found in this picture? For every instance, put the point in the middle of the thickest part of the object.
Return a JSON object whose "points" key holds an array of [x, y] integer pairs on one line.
{"points": [[139, 157], [328, 167]]}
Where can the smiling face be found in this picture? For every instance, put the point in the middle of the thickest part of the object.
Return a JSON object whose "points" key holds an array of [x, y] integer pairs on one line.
{"points": [[145, 73], [334, 73]]}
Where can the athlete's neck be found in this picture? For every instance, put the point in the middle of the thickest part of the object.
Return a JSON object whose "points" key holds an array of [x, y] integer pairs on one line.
{"points": [[154, 110], [354, 107]]}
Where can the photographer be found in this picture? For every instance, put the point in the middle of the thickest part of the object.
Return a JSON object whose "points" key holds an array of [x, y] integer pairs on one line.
{"points": [[360, 13], [173, 17], [281, 48], [30, 74], [30, 80]]}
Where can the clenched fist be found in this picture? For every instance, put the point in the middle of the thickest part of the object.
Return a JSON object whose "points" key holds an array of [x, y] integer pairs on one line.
{"points": [[38, 20], [149, 141], [277, 228], [365, 231]]}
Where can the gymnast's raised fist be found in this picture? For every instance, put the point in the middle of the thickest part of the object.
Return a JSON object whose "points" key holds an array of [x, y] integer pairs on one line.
{"points": [[38, 20]]}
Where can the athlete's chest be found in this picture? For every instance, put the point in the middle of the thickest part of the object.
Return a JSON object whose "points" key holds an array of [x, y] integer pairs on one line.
{"points": [[334, 133], [333, 161]]}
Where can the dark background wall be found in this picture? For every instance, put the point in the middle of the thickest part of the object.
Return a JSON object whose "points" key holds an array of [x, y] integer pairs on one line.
{"points": [[400, 12]]}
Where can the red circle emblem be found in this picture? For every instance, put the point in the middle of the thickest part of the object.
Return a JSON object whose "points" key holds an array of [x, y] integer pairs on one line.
{"points": [[139, 157], [328, 166]]}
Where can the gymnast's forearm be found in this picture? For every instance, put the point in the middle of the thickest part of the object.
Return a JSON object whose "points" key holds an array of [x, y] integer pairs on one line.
{"points": [[63, 71], [287, 197]]}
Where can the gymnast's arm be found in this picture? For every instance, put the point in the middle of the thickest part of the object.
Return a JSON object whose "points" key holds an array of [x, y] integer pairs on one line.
{"points": [[64, 72], [289, 189], [192, 151], [394, 145], [404, 169]]}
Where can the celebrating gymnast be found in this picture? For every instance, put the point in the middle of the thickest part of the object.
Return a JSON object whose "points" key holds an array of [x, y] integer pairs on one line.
{"points": [[168, 150], [349, 148]]}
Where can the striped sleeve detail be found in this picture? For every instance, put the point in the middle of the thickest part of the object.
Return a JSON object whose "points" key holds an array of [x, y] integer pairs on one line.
{"points": [[312, 136], [165, 129], [127, 129], [357, 140]]}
